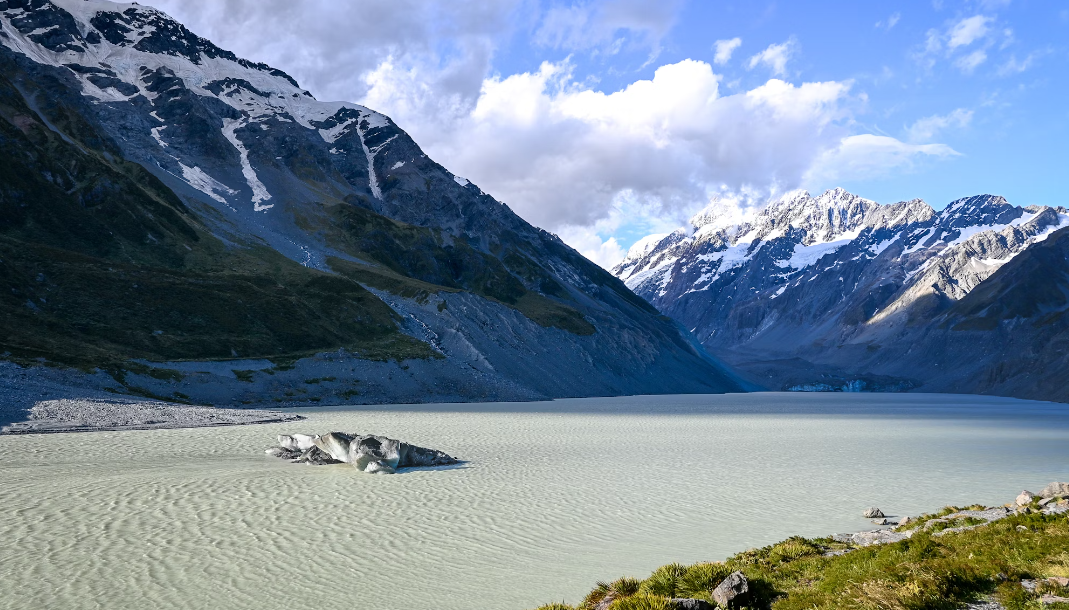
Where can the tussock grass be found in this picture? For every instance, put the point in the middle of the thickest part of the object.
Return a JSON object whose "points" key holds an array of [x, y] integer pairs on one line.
{"points": [[925, 572]]}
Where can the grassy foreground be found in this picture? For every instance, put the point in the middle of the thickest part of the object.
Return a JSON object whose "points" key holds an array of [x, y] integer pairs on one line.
{"points": [[922, 572]]}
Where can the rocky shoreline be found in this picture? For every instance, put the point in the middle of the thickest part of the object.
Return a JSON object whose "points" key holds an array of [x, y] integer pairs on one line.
{"points": [[862, 566], [96, 415]]}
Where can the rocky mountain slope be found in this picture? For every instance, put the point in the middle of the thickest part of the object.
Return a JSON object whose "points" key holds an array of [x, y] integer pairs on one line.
{"points": [[838, 292], [180, 222]]}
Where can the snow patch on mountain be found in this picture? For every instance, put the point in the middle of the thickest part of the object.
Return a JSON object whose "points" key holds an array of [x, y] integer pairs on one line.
{"points": [[198, 179], [801, 239], [156, 136], [259, 191], [805, 256]]}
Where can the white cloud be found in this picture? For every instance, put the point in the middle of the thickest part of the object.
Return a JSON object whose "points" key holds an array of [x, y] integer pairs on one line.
{"points": [[952, 44], [968, 31], [725, 49], [568, 158], [1015, 66], [604, 252], [330, 47], [891, 22], [869, 156], [775, 57], [928, 127], [592, 24], [583, 163], [559, 154], [969, 63]]}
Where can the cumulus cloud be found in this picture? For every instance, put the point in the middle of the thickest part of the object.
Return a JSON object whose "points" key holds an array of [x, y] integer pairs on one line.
{"points": [[725, 49], [928, 127], [775, 57], [589, 165], [559, 154]]}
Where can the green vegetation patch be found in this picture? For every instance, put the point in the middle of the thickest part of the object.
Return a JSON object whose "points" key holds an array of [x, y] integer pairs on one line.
{"points": [[924, 572], [101, 264], [414, 262]]}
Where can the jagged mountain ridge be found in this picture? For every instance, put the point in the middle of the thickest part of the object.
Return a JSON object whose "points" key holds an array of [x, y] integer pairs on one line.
{"points": [[838, 291], [261, 223]]}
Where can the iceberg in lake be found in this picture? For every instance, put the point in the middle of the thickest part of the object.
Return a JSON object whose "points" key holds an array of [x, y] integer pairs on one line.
{"points": [[368, 453]]}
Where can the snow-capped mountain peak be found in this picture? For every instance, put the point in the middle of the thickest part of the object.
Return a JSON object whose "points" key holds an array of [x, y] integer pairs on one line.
{"points": [[236, 134], [799, 239]]}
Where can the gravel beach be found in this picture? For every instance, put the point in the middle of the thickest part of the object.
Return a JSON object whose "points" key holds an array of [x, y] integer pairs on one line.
{"points": [[42, 400]]}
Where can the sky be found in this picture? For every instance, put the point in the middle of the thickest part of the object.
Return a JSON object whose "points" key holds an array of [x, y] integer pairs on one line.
{"points": [[606, 120]]}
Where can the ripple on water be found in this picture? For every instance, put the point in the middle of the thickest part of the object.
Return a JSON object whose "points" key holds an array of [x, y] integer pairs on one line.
{"points": [[550, 499]]}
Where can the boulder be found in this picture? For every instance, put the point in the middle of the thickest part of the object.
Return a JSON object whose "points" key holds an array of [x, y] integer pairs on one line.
{"points": [[880, 522], [1025, 498], [904, 520], [687, 603], [733, 591], [335, 444], [1054, 490], [606, 601], [874, 513]]}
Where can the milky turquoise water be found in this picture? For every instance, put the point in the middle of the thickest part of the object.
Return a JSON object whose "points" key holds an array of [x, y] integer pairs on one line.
{"points": [[552, 497]]}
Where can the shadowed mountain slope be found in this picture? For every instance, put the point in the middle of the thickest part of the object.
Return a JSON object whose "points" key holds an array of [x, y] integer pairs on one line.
{"points": [[164, 202]]}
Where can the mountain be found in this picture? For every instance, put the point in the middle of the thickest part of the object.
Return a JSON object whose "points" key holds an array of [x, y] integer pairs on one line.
{"points": [[839, 292], [180, 222]]}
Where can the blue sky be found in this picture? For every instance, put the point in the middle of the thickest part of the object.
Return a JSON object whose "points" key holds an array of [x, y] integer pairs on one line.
{"points": [[606, 120]]}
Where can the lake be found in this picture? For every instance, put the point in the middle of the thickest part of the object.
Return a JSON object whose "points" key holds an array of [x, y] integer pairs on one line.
{"points": [[551, 497]]}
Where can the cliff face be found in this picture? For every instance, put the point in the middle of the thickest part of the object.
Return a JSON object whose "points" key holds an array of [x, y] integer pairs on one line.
{"points": [[838, 292], [164, 201]]}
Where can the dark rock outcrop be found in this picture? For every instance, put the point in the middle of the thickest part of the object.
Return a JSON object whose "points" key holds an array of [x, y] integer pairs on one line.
{"points": [[733, 591]]}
